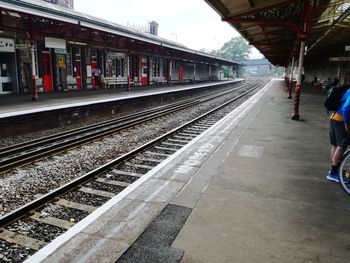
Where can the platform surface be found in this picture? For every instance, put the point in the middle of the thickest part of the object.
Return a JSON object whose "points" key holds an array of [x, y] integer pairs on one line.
{"points": [[254, 188], [268, 199]]}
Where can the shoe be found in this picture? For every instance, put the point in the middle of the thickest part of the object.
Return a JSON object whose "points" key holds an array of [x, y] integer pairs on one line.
{"points": [[333, 177]]}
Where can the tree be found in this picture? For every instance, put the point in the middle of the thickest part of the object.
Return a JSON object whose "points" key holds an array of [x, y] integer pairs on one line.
{"points": [[235, 49]]}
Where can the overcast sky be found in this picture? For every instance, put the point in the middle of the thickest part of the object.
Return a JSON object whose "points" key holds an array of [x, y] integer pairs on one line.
{"points": [[191, 22]]}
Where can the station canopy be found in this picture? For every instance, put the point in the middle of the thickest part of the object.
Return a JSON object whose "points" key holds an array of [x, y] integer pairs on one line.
{"points": [[276, 27], [38, 17]]}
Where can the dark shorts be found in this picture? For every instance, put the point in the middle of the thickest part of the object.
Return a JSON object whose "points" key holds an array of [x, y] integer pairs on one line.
{"points": [[338, 135]]}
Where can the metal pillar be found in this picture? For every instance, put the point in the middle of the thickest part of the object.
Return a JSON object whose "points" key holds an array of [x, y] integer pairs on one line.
{"points": [[35, 95], [128, 71], [194, 72], [286, 77], [291, 78], [295, 115], [209, 72], [170, 71]]}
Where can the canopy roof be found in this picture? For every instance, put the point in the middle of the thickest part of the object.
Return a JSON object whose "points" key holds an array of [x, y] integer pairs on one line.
{"points": [[276, 27]]}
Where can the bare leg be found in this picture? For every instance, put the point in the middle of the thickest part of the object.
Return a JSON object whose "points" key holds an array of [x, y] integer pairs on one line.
{"points": [[337, 155], [333, 148]]}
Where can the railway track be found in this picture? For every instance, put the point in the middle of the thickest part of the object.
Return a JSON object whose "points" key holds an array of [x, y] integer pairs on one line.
{"points": [[16, 155], [29, 228]]}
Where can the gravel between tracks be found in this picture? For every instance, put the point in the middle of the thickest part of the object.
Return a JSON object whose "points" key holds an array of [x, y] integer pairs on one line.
{"points": [[28, 182]]}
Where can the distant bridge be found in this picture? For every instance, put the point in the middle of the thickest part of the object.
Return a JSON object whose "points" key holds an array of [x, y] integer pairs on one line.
{"points": [[255, 62], [257, 67]]}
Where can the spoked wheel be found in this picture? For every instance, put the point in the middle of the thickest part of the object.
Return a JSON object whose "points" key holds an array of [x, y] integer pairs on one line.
{"points": [[344, 172]]}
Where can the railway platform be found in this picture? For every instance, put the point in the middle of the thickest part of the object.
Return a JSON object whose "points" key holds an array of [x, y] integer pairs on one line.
{"points": [[15, 105], [252, 188]]}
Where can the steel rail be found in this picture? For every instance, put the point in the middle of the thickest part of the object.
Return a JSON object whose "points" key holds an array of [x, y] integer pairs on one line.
{"points": [[15, 156], [35, 204]]}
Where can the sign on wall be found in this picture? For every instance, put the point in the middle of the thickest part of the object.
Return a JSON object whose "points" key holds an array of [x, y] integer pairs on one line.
{"points": [[60, 62], [112, 55], [7, 45], [347, 48], [55, 43], [339, 59]]}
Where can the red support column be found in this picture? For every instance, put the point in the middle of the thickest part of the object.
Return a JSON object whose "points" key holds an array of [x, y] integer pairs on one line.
{"points": [[35, 94], [295, 115], [308, 9]]}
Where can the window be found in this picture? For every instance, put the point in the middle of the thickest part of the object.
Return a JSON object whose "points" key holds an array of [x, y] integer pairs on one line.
{"points": [[120, 67], [156, 67], [93, 55], [109, 68], [69, 62]]}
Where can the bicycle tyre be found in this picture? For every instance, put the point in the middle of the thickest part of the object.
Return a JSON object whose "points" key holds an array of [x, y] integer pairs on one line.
{"points": [[344, 172]]}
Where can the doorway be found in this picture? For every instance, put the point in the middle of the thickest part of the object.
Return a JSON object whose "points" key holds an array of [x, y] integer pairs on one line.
{"points": [[47, 77]]}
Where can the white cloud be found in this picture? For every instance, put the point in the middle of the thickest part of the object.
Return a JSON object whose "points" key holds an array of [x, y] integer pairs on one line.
{"points": [[195, 23]]}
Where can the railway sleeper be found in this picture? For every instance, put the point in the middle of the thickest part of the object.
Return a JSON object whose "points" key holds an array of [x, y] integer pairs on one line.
{"points": [[149, 160], [178, 141], [165, 149], [112, 182], [185, 138], [193, 130], [140, 166], [22, 240], [96, 192], [158, 154], [200, 127], [178, 146], [207, 123], [120, 172], [51, 220], [74, 205], [188, 134]]}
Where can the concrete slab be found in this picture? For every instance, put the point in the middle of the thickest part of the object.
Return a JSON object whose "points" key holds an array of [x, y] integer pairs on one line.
{"points": [[83, 249], [124, 225], [162, 191], [154, 244], [270, 202]]}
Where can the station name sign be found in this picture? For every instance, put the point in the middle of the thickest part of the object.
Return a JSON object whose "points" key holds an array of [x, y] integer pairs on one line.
{"points": [[339, 59], [55, 43], [7, 45], [112, 55]]}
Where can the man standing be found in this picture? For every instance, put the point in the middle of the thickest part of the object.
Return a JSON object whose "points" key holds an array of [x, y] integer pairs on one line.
{"points": [[97, 74], [339, 134]]}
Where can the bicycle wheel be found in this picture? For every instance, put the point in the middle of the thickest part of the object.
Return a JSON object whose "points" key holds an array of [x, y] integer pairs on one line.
{"points": [[344, 172]]}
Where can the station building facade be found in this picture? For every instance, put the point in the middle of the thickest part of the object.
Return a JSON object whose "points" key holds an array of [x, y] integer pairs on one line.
{"points": [[51, 48]]}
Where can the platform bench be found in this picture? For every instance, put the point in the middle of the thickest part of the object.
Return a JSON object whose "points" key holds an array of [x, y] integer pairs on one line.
{"points": [[108, 82]]}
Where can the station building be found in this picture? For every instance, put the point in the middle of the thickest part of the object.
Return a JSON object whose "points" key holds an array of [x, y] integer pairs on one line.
{"points": [[50, 48]]}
